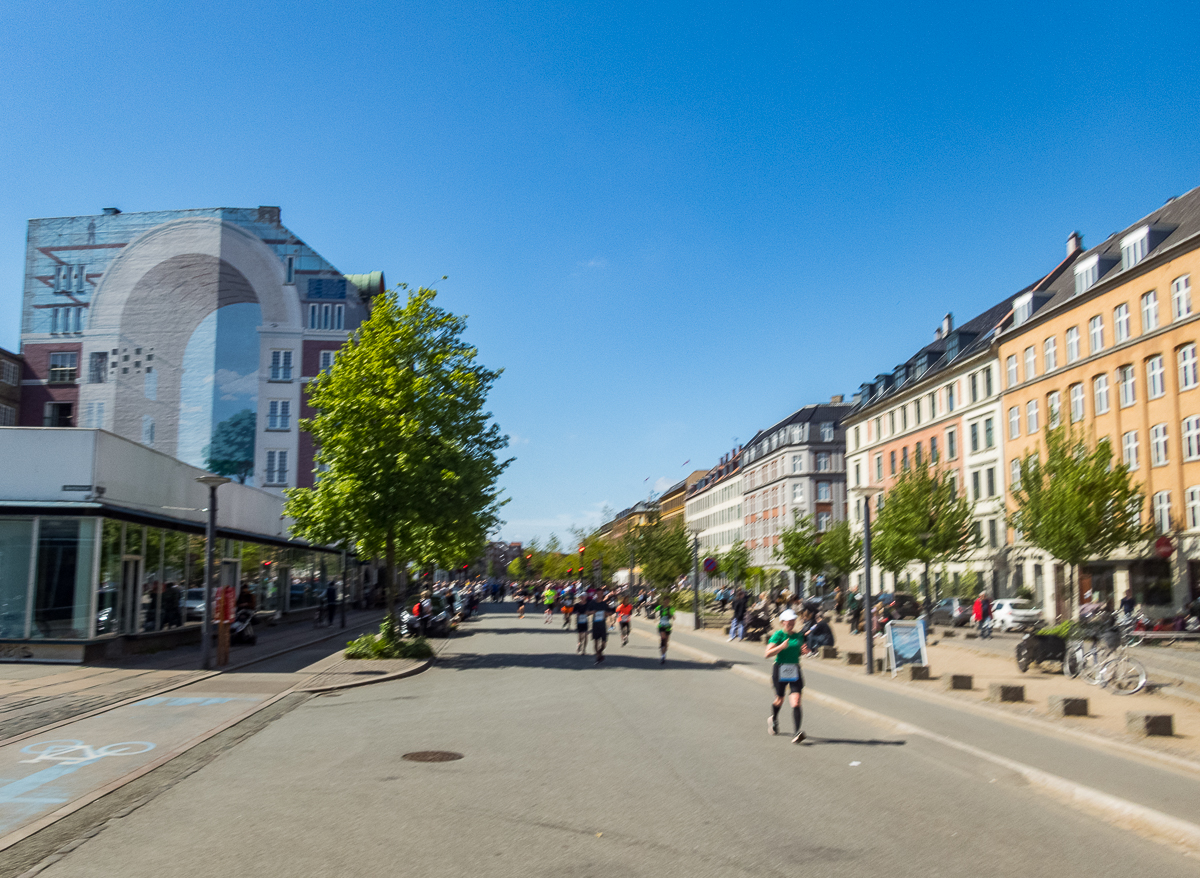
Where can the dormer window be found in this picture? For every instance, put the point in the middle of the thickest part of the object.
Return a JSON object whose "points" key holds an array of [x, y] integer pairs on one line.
{"points": [[1022, 308], [1134, 247], [1087, 273]]}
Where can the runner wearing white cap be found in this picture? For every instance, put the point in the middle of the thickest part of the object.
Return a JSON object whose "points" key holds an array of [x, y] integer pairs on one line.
{"points": [[785, 645]]}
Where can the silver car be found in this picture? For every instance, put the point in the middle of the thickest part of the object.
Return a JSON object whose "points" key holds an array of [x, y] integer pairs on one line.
{"points": [[1016, 614]]}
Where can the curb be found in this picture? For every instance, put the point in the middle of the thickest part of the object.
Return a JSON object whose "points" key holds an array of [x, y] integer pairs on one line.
{"points": [[1148, 822], [354, 684]]}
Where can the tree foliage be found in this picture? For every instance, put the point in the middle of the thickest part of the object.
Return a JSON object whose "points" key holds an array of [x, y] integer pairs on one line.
{"points": [[408, 456], [232, 450], [1079, 503], [665, 552], [735, 562], [841, 552], [924, 519], [800, 548]]}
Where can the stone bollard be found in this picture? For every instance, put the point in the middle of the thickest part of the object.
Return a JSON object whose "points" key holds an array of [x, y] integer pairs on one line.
{"points": [[971, 635], [1137, 723], [949, 632], [854, 658], [918, 672], [1001, 692], [829, 652], [879, 666], [1062, 705], [960, 681]]}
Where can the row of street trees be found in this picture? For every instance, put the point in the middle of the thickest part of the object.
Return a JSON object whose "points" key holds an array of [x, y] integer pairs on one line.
{"points": [[407, 455]]}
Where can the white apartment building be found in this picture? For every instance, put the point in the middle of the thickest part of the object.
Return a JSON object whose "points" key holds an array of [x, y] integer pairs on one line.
{"points": [[713, 510], [796, 467]]}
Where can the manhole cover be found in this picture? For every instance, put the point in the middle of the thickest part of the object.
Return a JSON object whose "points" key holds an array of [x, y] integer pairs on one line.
{"points": [[432, 756]]}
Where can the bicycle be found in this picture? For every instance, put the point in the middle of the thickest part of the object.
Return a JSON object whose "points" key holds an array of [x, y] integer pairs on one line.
{"points": [[1125, 674]]}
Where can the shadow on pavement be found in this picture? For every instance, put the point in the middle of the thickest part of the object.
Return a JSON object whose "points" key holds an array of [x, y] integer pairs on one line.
{"points": [[563, 662], [870, 742]]}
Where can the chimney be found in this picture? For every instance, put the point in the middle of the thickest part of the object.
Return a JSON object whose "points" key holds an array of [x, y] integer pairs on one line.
{"points": [[947, 325], [111, 211], [937, 334], [836, 398], [268, 214], [1074, 243]]}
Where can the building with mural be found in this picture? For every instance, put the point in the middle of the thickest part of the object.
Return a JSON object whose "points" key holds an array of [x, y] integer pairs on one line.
{"points": [[192, 332]]}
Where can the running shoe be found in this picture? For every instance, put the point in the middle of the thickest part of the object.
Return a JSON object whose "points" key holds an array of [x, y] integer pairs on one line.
{"points": [[662, 659], [772, 726], [800, 736]]}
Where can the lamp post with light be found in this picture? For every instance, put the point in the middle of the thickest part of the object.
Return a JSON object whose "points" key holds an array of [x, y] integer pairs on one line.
{"points": [[210, 546], [866, 492]]}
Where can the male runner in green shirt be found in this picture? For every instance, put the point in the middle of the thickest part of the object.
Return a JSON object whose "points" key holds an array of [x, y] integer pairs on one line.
{"points": [[785, 646]]}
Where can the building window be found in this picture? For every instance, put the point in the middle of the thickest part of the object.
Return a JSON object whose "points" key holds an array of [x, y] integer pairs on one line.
{"points": [[281, 365], [952, 444], [974, 387], [1050, 353], [857, 443], [339, 316], [987, 381], [1014, 422], [1096, 334], [290, 270], [1053, 409], [933, 405], [949, 397], [1150, 311], [891, 423], [10, 372], [64, 367], [1072, 344], [1134, 247], [991, 481], [8, 416], [1187, 367], [277, 468], [975, 492], [1129, 449], [327, 358], [1076, 393], [823, 519], [798, 493], [1181, 298], [1121, 323], [1087, 273], [903, 417], [1100, 393], [904, 457], [1031, 417], [147, 430], [1192, 498], [826, 432], [933, 449], [58, 414], [97, 367], [314, 316], [879, 467], [992, 533], [1162, 512], [279, 414], [824, 463], [824, 492], [1156, 383], [1030, 363], [1126, 381], [1191, 438], [1014, 474], [892, 463], [1158, 445], [974, 431], [989, 433], [93, 415], [918, 456], [797, 463], [1011, 368]]}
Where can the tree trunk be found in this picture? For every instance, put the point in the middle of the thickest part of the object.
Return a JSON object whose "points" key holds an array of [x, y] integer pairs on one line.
{"points": [[391, 577]]}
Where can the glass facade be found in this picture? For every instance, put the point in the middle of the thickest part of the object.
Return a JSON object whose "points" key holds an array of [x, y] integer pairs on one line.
{"points": [[67, 578]]}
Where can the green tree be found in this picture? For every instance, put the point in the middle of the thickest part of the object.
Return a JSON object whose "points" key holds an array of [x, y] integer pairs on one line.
{"points": [[923, 519], [232, 450], [800, 547], [735, 562], [1079, 504], [666, 553], [841, 553], [409, 458]]}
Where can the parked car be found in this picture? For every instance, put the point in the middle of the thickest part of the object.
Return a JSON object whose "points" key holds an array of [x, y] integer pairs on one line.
{"points": [[952, 611], [193, 605], [1016, 614], [907, 606]]}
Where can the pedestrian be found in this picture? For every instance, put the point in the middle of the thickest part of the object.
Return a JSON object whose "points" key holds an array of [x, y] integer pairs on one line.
{"points": [[839, 603], [665, 617], [579, 611], [784, 646], [1127, 604], [854, 604], [601, 611], [737, 623], [982, 614], [624, 612], [331, 599], [549, 596]]}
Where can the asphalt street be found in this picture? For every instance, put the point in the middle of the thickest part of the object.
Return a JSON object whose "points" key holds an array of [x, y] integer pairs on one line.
{"points": [[572, 769]]}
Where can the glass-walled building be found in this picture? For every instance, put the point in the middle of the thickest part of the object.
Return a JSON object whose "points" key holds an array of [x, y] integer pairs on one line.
{"points": [[118, 551]]}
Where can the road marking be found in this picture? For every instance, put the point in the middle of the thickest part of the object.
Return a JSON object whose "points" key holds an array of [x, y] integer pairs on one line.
{"points": [[56, 751]]}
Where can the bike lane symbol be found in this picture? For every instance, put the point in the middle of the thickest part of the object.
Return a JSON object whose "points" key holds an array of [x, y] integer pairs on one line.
{"points": [[66, 757]]}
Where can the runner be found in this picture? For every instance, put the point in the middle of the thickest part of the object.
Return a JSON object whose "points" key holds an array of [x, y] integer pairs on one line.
{"points": [[580, 611], [601, 611], [548, 598], [624, 612], [785, 646], [665, 615], [521, 604]]}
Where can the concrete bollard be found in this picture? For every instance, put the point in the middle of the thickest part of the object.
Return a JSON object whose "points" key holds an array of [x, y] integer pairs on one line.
{"points": [[949, 632], [1137, 723], [960, 681], [879, 666], [829, 652], [1062, 705], [971, 635], [918, 672], [1001, 692], [854, 658]]}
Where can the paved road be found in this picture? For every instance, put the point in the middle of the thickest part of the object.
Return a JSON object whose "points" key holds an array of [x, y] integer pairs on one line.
{"points": [[627, 769]]}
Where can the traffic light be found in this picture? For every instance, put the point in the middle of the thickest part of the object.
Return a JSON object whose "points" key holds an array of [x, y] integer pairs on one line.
{"points": [[582, 549]]}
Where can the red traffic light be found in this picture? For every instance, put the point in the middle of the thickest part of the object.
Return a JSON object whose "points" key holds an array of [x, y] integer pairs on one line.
{"points": [[465, 567], [581, 549], [529, 557]]}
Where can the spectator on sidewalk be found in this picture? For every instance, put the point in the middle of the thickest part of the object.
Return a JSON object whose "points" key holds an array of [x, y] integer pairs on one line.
{"points": [[982, 614], [331, 600], [854, 605], [737, 624]]}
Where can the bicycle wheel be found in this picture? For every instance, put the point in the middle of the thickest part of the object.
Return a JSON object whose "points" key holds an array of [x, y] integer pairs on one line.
{"points": [[1089, 668], [1124, 675], [1073, 659]]}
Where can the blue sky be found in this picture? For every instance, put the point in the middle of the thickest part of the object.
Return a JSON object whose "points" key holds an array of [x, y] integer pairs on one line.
{"points": [[671, 224]]}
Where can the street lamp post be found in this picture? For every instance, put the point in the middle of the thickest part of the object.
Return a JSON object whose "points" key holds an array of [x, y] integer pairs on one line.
{"points": [[866, 492], [696, 581], [210, 545]]}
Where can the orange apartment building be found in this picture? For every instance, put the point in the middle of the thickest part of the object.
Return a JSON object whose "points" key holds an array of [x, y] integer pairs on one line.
{"points": [[1109, 346]]}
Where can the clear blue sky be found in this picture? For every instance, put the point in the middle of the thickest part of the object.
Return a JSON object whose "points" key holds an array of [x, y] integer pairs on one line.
{"points": [[671, 224]]}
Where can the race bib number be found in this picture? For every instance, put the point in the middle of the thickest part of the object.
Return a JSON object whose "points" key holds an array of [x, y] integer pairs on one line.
{"points": [[789, 673], [599, 617]]}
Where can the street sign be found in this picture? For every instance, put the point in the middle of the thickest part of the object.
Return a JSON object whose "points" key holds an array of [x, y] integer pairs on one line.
{"points": [[710, 565], [1163, 547]]}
